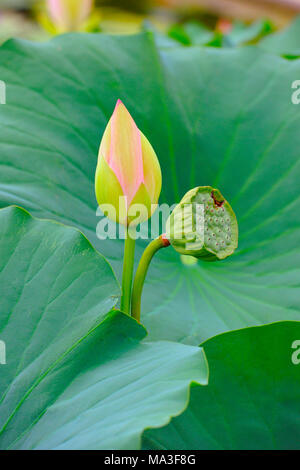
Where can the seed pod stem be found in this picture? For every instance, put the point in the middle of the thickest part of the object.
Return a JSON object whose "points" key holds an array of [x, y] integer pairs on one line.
{"points": [[141, 272]]}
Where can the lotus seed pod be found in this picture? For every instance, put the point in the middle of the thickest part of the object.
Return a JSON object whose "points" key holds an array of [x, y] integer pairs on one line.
{"points": [[203, 225]]}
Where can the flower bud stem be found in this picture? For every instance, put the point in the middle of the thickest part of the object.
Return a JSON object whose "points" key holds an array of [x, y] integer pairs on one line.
{"points": [[127, 273], [141, 272]]}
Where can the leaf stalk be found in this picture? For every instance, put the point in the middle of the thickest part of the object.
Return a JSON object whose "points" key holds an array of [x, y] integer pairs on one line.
{"points": [[141, 272]]}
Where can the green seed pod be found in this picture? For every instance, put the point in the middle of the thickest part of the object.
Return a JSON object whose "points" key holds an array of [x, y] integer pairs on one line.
{"points": [[203, 225]]}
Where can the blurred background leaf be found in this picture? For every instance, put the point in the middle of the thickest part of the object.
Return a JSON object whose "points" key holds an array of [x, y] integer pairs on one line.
{"points": [[286, 42], [225, 33], [279, 11], [193, 22]]}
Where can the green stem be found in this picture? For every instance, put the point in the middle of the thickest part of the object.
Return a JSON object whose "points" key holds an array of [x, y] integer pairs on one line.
{"points": [[127, 273], [141, 272]]}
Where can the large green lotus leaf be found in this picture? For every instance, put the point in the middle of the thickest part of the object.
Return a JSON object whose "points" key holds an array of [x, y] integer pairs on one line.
{"points": [[253, 397], [285, 42], [54, 289], [77, 376], [215, 117]]}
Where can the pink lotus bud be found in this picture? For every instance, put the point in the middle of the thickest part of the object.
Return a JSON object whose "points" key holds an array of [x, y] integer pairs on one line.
{"points": [[68, 15], [128, 175]]}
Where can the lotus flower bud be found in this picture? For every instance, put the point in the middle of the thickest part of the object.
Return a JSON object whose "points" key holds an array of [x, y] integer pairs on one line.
{"points": [[203, 225], [128, 175], [68, 15]]}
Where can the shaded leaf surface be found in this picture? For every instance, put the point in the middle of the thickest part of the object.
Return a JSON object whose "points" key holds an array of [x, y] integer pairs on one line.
{"points": [[253, 397]]}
